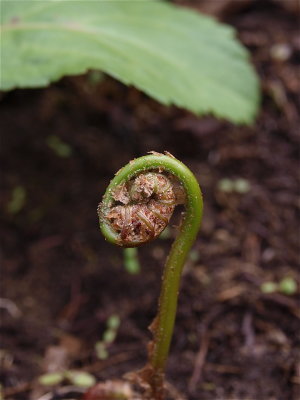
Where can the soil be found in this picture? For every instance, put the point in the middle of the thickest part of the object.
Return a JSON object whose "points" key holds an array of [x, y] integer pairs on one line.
{"points": [[61, 281]]}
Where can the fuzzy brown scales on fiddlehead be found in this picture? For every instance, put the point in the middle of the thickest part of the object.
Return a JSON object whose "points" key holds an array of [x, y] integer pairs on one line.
{"points": [[142, 208]]}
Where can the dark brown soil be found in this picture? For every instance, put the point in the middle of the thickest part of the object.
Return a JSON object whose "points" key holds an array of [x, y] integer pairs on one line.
{"points": [[63, 281]]}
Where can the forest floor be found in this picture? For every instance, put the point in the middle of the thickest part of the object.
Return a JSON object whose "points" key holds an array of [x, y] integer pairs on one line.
{"points": [[237, 328]]}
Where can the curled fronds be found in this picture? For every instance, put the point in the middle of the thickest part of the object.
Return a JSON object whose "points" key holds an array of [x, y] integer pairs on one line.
{"points": [[140, 208]]}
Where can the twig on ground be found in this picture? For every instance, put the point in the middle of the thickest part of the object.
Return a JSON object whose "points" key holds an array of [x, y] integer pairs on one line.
{"points": [[10, 307], [248, 331], [202, 352]]}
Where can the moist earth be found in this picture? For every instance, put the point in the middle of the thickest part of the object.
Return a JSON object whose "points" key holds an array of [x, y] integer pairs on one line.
{"points": [[61, 282]]}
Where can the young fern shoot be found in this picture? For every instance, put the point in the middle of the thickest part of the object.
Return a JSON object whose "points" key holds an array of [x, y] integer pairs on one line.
{"points": [[135, 209]]}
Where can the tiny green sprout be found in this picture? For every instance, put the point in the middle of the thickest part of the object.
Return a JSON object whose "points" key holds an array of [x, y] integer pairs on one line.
{"points": [[51, 378], [60, 148], [101, 350], [135, 209], [113, 322], [242, 186], [131, 260], [77, 378], [109, 335], [80, 378], [226, 185], [269, 287], [18, 200], [239, 185], [288, 286]]}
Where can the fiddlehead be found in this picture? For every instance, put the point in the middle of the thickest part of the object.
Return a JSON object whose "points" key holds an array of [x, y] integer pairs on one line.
{"points": [[136, 207], [140, 208]]}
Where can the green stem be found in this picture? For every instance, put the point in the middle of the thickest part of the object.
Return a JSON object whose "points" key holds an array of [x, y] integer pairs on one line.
{"points": [[164, 322]]}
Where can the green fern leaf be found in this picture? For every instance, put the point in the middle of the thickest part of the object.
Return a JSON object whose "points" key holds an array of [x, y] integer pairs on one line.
{"points": [[175, 55]]}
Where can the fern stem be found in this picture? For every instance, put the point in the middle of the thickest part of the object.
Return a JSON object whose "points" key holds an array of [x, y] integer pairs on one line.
{"points": [[163, 325]]}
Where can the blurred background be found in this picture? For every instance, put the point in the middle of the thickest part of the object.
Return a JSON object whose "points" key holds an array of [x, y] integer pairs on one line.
{"points": [[64, 287]]}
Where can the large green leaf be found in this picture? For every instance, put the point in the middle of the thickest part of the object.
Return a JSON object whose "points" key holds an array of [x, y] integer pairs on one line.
{"points": [[175, 55]]}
